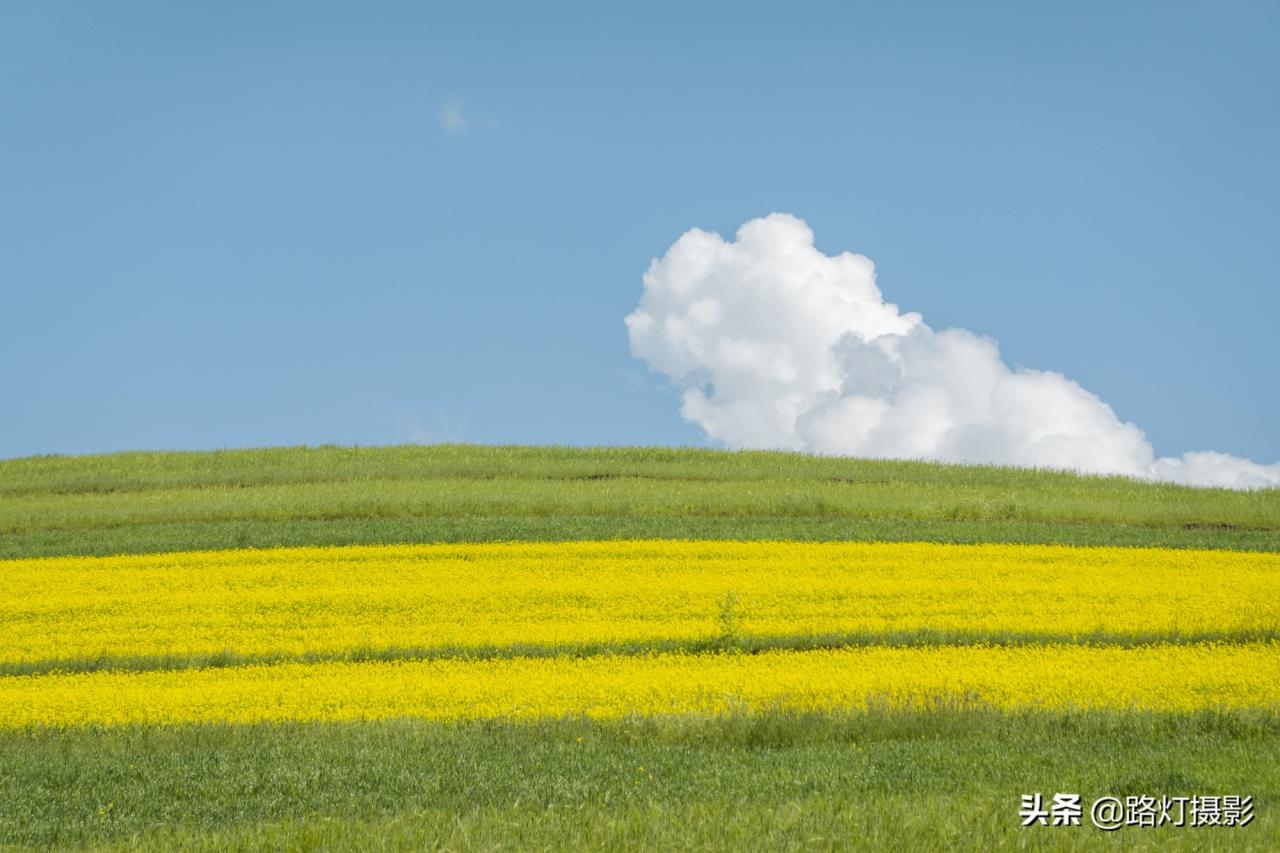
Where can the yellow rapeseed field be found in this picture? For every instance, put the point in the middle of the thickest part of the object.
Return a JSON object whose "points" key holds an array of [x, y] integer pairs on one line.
{"points": [[331, 601], [1160, 677]]}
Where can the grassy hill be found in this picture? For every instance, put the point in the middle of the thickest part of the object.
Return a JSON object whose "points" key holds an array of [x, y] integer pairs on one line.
{"points": [[947, 774], [146, 502]]}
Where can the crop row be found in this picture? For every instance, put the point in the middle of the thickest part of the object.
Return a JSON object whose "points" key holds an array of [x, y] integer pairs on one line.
{"points": [[327, 603], [1059, 677]]}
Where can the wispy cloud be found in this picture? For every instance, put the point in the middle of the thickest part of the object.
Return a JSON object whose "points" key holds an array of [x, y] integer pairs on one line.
{"points": [[446, 427], [452, 118]]}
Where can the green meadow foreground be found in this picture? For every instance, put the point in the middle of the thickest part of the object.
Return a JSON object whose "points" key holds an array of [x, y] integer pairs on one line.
{"points": [[882, 781], [674, 649]]}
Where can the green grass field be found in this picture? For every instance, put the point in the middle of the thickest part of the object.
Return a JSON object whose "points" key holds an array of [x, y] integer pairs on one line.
{"points": [[894, 780], [140, 502]]}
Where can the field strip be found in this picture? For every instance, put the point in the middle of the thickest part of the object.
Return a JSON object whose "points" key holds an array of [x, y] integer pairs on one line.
{"points": [[356, 603], [181, 535], [740, 643], [470, 494], [1149, 678]]}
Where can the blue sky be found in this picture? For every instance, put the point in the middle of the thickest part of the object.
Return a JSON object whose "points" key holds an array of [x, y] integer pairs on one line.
{"points": [[249, 224]]}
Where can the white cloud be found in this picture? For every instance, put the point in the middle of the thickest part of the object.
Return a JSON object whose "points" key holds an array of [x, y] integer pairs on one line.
{"points": [[452, 118], [776, 345], [1210, 468]]}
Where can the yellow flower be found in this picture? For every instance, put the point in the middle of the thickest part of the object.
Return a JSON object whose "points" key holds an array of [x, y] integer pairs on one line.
{"points": [[335, 602], [1055, 677]]}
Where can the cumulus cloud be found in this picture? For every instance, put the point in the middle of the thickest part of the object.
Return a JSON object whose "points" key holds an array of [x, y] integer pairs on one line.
{"points": [[776, 345]]}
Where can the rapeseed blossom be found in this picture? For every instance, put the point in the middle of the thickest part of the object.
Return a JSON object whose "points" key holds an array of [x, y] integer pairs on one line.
{"points": [[331, 602], [1056, 677]]}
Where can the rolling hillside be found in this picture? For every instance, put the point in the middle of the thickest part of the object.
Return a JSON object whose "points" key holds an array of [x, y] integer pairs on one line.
{"points": [[513, 648], [144, 502]]}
